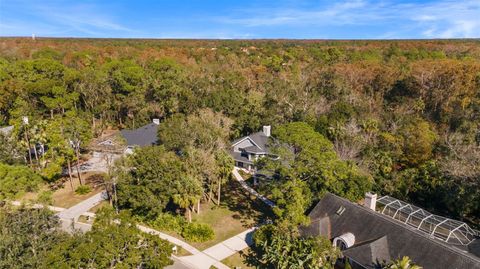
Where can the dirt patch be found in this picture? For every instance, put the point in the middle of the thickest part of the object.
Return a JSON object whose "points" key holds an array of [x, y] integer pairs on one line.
{"points": [[65, 195]]}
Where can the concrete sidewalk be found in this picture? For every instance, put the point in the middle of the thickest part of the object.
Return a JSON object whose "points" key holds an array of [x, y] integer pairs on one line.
{"points": [[170, 239], [75, 211], [215, 254], [232, 245], [242, 182]]}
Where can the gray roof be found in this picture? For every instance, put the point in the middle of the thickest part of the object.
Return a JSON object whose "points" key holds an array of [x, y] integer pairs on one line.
{"points": [[143, 136], [237, 156], [261, 147], [6, 130], [261, 140], [254, 149], [372, 252], [379, 237]]}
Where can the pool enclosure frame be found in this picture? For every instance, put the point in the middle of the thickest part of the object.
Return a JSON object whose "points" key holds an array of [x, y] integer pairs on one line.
{"points": [[444, 229]]}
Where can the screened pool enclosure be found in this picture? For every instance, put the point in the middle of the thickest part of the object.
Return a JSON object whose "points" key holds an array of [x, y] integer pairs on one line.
{"points": [[445, 229]]}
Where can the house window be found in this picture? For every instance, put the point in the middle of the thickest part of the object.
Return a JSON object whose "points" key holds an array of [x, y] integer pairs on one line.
{"points": [[239, 164]]}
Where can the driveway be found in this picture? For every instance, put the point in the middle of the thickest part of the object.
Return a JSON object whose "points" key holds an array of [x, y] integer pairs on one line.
{"points": [[75, 211]]}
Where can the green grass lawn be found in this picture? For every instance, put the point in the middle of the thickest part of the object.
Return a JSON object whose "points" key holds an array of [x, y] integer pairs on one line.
{"points": [[237, 212], [66, 196], [244, 259], [102, 204]]}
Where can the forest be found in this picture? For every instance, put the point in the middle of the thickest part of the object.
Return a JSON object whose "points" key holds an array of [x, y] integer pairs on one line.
{"points": [[401, 118]]}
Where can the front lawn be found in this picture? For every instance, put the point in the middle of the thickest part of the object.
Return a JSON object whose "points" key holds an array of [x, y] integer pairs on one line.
{"points": [[66, 197], [238, 211], [244, 259]]}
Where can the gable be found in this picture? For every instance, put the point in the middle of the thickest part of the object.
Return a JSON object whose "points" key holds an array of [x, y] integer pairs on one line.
{"points": [[244, 143]]}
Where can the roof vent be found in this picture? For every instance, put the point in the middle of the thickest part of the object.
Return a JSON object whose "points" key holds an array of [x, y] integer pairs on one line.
{"points": [[340, 210]]}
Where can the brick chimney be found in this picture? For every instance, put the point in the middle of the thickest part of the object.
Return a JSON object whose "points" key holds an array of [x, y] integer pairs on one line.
{"points": [[267, 130], [370, 200]]}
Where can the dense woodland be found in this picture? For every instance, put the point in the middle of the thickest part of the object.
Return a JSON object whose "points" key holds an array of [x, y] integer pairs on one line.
{"points": [[399, 117]]}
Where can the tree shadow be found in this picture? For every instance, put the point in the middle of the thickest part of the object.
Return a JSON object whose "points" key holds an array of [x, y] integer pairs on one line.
{"points": [[251, 258], [247, 207]]}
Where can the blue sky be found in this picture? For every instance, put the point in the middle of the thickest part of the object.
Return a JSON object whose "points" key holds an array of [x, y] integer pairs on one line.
{"points": [[347, 19]]}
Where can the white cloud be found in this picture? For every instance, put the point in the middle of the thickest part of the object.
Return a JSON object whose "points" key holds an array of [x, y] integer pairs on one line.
{"points": [[440, 19], [371, 18], [60, 18]]}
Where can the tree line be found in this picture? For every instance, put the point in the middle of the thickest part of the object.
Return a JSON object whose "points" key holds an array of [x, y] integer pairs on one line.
{"points": [[404, 114]]}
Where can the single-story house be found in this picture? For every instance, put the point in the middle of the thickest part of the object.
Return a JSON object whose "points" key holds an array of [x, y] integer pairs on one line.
{"points": [[140, 137], [246, 150], [387, 229]]}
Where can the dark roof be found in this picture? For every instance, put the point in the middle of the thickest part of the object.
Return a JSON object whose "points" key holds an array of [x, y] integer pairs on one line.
{"points": [[261, 140], [237, 156], [372, 252], [143, 136], [376, 233], [254, 149]]}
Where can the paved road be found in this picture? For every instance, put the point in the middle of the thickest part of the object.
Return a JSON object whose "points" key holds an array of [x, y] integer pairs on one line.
{"points": [[240, 179], [75, 211]]}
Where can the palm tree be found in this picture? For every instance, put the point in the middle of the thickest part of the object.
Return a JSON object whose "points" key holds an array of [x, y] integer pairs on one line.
{"points": [[225, 165], [403, 263], [189, 193]]}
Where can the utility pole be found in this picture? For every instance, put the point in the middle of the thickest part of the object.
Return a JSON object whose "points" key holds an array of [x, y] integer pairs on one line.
{"points": [[75, 143], [25, 124]]}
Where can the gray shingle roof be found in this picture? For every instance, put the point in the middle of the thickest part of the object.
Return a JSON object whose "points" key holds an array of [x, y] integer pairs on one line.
{"points": [[237, 156], [261, 140], [254, 149], [143, 136], [369, 226], [6, 130], [373, 252]]}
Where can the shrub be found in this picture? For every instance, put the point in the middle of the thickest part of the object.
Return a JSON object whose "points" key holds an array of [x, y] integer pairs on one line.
{"points": [[198, 232], [17, 179], [169, 222], [84, 189], [45, 197], [244, 174], [52, 172]]}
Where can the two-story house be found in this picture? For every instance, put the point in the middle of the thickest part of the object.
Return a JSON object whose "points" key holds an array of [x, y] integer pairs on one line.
{"points": [[247, 149]]}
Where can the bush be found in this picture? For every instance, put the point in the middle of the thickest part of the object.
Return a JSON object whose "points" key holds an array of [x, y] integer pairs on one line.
{"points": [[52, 172], [84, 189], [169, 222], [198, 232], [45, 197], [17, 179]]}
